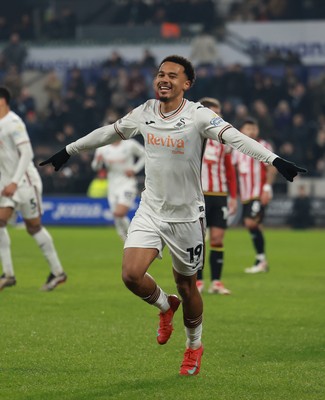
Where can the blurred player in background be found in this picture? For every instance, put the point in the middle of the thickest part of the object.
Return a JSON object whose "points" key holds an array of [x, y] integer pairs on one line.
{"points": [[172, 208], [255, 187], [122, 160], [21, 189], [218, 180]]}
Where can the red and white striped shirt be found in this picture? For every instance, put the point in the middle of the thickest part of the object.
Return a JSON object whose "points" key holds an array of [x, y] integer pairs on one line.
{"points": [[218, 175], [251, 174]]}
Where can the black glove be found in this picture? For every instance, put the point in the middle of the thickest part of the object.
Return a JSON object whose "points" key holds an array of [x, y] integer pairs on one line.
{"points": [[287, 168], [57, 160]]}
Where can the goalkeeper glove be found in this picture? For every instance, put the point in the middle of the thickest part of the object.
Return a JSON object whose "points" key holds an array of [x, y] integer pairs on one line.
{"points": [[287, 168], [57, 160]]}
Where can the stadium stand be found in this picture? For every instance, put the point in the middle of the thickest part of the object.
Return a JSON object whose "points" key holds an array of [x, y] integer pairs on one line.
{"points": [[286, 96]]}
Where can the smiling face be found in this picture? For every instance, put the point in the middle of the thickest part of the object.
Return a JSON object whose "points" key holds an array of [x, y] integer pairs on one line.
{"points": [[171, 82]]}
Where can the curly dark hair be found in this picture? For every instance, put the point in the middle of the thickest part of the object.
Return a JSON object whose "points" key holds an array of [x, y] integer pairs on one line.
{"points": [[5, 94], [248, 121], [188, 67]]}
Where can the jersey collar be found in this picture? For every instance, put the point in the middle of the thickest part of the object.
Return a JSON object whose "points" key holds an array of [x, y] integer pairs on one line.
{"points": [[174, 113]]}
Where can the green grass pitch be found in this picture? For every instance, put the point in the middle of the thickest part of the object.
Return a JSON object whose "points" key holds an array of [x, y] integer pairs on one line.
{"points": [[91, 339]]}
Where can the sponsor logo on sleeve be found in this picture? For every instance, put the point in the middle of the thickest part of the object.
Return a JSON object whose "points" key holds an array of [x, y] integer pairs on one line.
{"points": [[217, 121]]}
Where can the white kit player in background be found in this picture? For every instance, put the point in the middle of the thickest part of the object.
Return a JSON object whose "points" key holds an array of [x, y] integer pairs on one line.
{"points": [[21, 189], [172, 208], [122, 160]]}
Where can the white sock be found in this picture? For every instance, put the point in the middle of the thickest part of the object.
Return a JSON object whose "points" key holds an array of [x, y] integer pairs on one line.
{"points": [[122, 226], [45, 242], [162, 301], [194, 337], [158, 299], [260, 257], [5, 252]]}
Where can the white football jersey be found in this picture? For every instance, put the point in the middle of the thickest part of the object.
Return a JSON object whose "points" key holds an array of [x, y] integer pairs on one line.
{"points": [[174, 145], [174, 149], [118, 158], [12, 134]]}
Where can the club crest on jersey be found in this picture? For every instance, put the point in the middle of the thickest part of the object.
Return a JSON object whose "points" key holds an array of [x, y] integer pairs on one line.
{"points": [[216, 121], [180, 124]]}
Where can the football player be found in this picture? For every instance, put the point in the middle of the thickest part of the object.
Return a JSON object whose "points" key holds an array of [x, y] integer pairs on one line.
{"points": [[172, 208], [220, 193], [21, 189]]}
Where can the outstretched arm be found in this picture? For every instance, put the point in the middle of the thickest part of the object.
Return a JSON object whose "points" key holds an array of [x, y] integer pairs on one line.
{"points": [[124, 128], [254, 149], [287, 168], [97, 138], [214, 127]]}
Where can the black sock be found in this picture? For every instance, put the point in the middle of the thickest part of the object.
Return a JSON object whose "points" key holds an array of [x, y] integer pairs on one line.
{"points": [[216, 263], [258, 240]]}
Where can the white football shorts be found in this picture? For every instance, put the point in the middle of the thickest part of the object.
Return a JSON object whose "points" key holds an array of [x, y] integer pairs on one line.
{"points": [[122, 195], [185, 240], [27, 200]]}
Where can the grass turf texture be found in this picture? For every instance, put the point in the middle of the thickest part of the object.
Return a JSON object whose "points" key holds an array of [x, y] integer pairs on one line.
{"points": [[92, 339]]}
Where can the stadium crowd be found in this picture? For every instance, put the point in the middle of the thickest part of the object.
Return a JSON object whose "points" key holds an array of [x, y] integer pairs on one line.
{"points": [[210, 11], [288, 101], [47, 20], [286, 97]]}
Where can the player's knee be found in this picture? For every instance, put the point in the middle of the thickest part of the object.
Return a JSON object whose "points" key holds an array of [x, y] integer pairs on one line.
{"points": [[130, 277], [216, 237], [250, 224], [126, 278], [216, 243], [184, 289], [33, 229], [119, 214]]}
